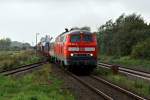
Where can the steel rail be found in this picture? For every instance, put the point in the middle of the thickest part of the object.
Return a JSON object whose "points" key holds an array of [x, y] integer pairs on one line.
{"points": [[135, 96], [97, 91], [136, 73], [21, 68]]}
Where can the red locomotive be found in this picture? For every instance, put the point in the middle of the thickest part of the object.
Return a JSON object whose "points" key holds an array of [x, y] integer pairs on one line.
{"points": [[75, 50]]}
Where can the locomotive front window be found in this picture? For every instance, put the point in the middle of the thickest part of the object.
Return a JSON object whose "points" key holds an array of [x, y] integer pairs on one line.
{"points": [[75, 38], [87, 38]]}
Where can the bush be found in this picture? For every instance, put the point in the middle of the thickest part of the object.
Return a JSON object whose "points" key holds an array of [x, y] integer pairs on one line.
{"points": [[11, 59], [142, 50]]}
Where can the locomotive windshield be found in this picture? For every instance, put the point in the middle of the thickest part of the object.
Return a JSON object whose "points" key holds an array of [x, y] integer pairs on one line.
{"points": [[87, 38], [75, 38], [79, 38]]}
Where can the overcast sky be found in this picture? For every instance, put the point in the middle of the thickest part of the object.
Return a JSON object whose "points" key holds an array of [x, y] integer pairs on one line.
{"points": [[21, 19]]}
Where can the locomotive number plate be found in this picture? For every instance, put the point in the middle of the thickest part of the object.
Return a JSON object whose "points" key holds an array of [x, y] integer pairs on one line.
{"points": [[82, 49]]}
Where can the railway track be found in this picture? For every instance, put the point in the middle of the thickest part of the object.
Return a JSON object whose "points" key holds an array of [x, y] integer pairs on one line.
{"points": [[128, 71], [94, 89], [106, 89], [21, 69], [133, 96]]}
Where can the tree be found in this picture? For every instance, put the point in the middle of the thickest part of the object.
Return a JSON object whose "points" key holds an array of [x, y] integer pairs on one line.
{"points": [[121, 36], [5, 44], [142, 50], [26, 46]]}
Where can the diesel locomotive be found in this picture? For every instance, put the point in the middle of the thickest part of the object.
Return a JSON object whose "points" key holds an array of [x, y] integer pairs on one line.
{"points": [[74, 50]]}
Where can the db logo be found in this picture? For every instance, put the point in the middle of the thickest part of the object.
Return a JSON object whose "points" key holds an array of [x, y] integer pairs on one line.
{"points": [[81, 49]]}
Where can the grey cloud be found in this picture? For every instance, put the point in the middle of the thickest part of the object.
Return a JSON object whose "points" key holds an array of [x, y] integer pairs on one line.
{"points": [[26, 17]]}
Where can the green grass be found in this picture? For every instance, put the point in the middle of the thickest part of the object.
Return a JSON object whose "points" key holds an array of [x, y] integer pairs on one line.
{"points": [[128, 62], [13, 59], [140, 86], [40, 85]]}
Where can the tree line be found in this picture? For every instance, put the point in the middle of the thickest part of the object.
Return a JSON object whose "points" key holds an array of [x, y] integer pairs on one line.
{"points": [[7, 44], [128, 35]]}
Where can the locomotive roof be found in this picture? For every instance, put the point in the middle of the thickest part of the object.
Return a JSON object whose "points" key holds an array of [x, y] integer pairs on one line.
{"points": [[76, 32]]}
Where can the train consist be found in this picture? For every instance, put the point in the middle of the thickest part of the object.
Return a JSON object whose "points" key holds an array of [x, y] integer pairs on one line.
{"points": [[75, 50]]}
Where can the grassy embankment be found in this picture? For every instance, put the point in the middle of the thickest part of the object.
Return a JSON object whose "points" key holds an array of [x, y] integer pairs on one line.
{"points": [[13, 59], [40, 85], [139, 86], [140, 64]]}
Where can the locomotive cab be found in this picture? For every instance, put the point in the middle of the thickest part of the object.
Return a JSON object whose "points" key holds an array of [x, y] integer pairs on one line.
{"points": [[81, 49], [75, 50]]}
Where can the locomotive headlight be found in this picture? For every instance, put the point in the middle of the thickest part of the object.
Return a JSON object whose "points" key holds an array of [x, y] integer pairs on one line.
{"points": [[91, 54], [71, 54], [73, 49]]}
